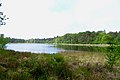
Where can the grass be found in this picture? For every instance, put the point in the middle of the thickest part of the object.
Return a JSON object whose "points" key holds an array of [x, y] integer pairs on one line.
{"points": [[60, 66], [99, 45]]}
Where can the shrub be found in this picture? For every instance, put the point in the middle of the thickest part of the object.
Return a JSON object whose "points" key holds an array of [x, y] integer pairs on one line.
{"points": [[3, 42], [51, 66], [112, 56]]}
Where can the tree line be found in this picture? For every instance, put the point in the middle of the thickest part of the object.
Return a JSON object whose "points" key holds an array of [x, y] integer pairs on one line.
{"points": [[37, 40], [99, 37]]}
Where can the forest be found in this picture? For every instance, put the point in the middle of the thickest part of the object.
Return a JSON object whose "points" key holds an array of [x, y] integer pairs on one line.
{"points": [[99, 37]]}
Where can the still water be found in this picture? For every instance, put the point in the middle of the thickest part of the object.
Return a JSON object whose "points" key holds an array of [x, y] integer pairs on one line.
{"points": [[34, 48], [51, 48]]}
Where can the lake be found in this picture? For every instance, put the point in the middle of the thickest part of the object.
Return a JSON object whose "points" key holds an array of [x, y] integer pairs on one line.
{"points": [[34, 47], [51, 48]]}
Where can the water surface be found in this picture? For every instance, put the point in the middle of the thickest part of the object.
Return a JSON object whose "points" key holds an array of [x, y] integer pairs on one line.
{"points": [[51, 48], [34, 47]]}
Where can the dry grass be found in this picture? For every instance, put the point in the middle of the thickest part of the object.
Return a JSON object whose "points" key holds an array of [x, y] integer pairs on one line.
{"points": [[91, 64], [83, 56], [62, 66]]}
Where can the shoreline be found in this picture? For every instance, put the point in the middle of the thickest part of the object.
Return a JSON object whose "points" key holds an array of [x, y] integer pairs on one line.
{"points": [[97, 45]]}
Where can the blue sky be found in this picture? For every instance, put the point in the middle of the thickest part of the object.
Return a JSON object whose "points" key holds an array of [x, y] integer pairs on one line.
{"points": [[49, 18]]}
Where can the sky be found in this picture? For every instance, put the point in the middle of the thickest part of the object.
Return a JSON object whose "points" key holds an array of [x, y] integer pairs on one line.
{"points": [[49, 18]]}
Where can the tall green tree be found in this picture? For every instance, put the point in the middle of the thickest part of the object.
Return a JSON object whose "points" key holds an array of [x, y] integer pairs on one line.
{"points": [[99, 38], [3, 41], [107, 39], [117, 39]]}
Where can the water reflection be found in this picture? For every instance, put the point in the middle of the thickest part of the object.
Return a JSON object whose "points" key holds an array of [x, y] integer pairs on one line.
{"points": [[88, 48], [50, 48]]}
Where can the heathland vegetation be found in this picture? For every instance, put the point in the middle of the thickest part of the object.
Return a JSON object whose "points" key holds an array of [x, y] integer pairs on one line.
{"points": [[61, 66]]}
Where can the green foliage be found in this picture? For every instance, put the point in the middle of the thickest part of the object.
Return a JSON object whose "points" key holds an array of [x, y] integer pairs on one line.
{"points": [[107, 39], [117, 39], [88, 37], [52, 65], [13, 40], [100, 37], [47, 40], [3, 42], [112, 56], [66, 66]]}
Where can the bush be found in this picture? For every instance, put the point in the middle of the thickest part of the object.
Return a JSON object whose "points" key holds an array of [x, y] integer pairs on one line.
{"points": [[112, 56], [51, 66], [3, 42]]}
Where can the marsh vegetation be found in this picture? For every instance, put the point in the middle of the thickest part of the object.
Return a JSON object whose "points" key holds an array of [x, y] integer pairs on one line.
{"points": [[62, 66]]}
